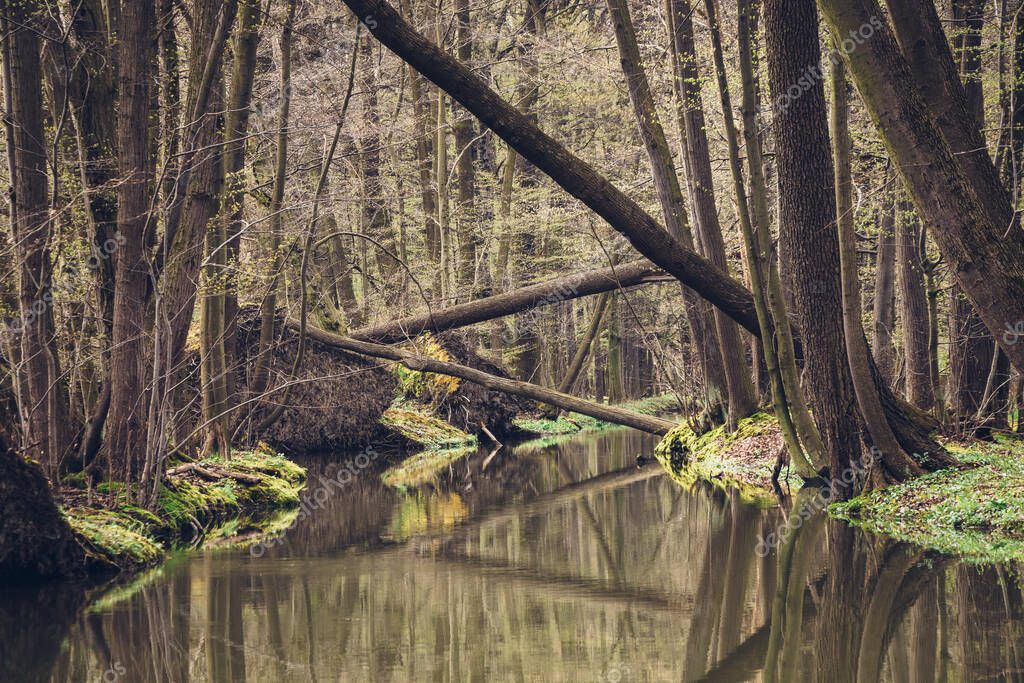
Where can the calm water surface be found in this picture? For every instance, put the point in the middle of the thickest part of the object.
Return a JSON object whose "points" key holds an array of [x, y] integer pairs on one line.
{"points": [[566, 563]]}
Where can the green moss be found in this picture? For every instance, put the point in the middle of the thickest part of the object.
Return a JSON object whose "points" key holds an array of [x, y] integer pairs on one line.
{"points": [[423, 429], [741, 460], [976, 513], [113, 538], [129, 537]]}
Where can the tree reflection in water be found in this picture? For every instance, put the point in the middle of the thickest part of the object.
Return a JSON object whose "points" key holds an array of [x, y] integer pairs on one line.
{"points": [[558, 563]]}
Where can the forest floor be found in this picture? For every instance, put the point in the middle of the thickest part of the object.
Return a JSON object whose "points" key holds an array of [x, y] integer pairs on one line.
{"points": [[251, 494], [976, 513]]}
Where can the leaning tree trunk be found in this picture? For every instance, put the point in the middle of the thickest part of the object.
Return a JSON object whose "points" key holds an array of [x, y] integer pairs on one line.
{"points": [[518, 300], [985, 253], [576, 176], [646, 423]]}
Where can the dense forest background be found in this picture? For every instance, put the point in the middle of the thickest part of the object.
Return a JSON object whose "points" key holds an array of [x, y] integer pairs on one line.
{"points": [[213, 204]]}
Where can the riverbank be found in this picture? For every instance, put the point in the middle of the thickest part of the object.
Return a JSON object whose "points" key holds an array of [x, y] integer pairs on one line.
{"points": [[201, 502], [975, 513], [574, 423], [742, 460]]}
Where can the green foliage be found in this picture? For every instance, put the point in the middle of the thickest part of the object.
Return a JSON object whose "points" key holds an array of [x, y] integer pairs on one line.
{"points": [[977, 513]]}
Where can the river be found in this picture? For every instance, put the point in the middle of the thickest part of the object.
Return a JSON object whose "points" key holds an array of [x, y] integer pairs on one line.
{"points": [[572, 562]]}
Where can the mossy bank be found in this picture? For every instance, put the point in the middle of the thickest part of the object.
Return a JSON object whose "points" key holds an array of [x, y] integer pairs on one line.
{"points": [[975, 512], [199, 502]]}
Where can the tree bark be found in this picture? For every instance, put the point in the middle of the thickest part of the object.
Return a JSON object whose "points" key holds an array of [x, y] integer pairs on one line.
{"points": [[807, 214], [45, 407], [646, 423], [125, 419], [913, 310], [515, 301], [576, 176], [986, 254], [884, 307], [236, 130]]}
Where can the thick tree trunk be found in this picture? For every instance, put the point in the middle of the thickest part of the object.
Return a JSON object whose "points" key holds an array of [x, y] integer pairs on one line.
{"points": [[125, 442], [807, 215], [44, 408], [985, 253], [653, 425], [515, 301], [576, 176]]}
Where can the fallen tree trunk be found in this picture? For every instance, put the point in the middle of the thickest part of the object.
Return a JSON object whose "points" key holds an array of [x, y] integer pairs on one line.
{"points": [[573, 174], [646, 423], [518, 300], [583, 182]]}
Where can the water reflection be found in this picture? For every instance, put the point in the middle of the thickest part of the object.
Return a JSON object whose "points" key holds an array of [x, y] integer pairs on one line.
{"points": [[570, 563]]}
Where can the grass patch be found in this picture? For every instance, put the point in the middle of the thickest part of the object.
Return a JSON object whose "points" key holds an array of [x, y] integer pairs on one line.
{"points": [[741, 460], [189, 508], [977, 513]]}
